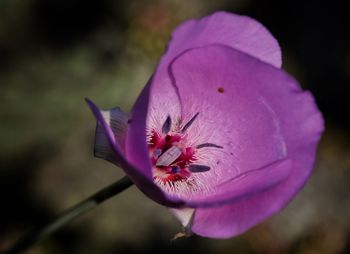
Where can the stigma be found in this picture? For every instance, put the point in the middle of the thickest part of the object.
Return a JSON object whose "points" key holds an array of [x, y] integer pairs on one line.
{"points": [[169, 156]]}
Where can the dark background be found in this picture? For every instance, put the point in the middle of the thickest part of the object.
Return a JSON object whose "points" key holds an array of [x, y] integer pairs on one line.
{"points": [[53, 53]]}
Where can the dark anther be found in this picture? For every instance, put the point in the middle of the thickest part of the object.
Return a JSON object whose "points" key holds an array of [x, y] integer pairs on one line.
{"points": [[189, 123], [167, 125], [208, 145], [194, 168], [175, 169]]}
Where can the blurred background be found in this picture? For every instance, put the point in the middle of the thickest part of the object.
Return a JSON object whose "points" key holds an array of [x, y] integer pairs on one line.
{"points": [[53, 53]]}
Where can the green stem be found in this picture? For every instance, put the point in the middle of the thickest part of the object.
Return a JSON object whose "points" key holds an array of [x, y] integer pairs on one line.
{"points": [[70, 214]]}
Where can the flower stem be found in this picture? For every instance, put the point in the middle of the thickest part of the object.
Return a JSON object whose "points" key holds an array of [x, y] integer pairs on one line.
{"points": [[40, 233]]}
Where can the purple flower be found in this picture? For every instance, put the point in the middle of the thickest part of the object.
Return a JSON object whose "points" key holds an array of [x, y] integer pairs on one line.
{"points": [[220, 133]]}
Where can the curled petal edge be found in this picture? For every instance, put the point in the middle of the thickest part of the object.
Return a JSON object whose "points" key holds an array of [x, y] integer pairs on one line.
{"points": [[145, 184]]}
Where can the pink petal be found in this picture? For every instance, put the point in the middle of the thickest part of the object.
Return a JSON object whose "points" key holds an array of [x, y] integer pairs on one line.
{"points": [[239, 32], [245, 185], [239, 119], [236, 218], [255, 97], [160, 97]]}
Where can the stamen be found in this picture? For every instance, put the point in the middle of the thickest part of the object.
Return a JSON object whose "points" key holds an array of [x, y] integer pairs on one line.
{"points": [[167, 125], [189, 123], [175, 169], [169, 156], [195, 168], [208, 145]]}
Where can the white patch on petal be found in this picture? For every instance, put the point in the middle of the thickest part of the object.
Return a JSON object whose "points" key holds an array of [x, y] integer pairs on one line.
{"points": [[184, 215], [278, 136], [117, 120]]}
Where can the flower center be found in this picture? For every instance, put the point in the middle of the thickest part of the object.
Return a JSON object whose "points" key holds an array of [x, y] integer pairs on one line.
{"points": [[169, 156], [174, 161]]}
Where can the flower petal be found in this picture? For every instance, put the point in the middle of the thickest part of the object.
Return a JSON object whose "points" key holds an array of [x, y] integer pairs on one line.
{"points": [[160, 98], [233, 219], [141, 178], [245, 185], [239, 119], [155, 108], [240, 32], [237, 95], [246, 147]]}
